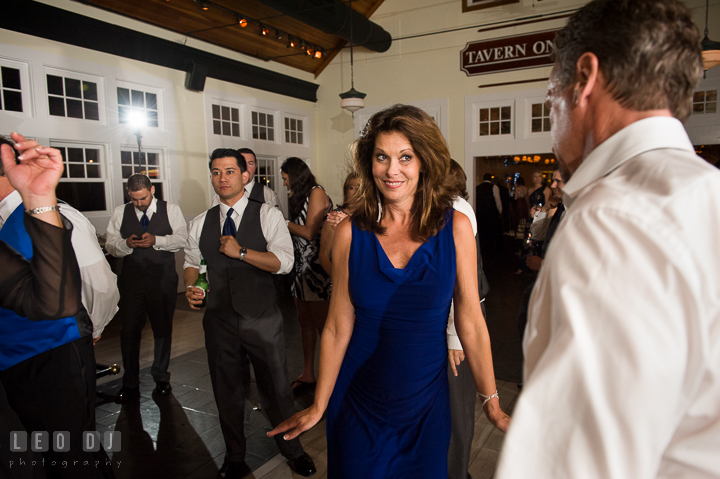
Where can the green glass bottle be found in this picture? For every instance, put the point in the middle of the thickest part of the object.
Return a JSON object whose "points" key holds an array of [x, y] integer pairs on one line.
{"points": [[202, 282]]}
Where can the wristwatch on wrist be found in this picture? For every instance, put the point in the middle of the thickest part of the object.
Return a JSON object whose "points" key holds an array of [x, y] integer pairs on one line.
{"points": [[243, 252]]}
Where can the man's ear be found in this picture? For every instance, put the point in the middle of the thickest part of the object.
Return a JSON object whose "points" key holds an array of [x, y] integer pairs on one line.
{"points": [[587, 69], [246, 177]]}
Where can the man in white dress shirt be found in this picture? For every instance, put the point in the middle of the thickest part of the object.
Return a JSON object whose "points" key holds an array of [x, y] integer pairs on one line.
{"points": [[622, 348], [244, 242], [146, 233]]}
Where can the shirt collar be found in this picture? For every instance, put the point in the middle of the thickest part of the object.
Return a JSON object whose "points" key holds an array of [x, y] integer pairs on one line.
{"points": [[150, 209], [9, 204], [238, 207], [657, 132]]}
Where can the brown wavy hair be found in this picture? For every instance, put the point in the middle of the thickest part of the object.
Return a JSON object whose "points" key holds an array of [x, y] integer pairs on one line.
{"points": [[434, 193]]}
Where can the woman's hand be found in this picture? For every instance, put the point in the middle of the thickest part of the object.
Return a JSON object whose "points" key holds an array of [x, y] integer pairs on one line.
{"points": [[335, 217], [299, 423], [496, 416], [37, 174]]}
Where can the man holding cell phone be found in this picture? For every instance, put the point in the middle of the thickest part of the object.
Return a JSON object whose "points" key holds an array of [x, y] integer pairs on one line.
{"points": [[146, 233]]}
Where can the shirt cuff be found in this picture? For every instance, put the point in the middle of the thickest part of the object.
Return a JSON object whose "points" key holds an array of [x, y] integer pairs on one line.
{"points": [[454, 342], [160, 242]]}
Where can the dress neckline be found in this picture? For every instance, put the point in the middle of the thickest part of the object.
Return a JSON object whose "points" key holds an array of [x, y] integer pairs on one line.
{"points": [[377, 241]]}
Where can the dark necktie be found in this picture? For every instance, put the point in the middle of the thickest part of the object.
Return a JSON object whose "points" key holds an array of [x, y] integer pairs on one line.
{"points": [[144, 221], [229, 227]]}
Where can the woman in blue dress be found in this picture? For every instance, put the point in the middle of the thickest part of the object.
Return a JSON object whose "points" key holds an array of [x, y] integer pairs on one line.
{"points": [[398, 263]]}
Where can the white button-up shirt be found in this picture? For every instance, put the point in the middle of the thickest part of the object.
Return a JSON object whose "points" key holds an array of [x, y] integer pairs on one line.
{"points": [[272, 224], [622, 347]]}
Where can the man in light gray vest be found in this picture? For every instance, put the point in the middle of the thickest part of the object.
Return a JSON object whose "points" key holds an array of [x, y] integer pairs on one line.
{"points": [[146, 233], [244, 242]]}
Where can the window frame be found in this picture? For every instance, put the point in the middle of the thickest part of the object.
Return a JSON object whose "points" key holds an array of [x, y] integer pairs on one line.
{"points": [[303, 121], [490, 105], [277, 139], [100, 84], [25, 87], [105, 175], [160, 103]]}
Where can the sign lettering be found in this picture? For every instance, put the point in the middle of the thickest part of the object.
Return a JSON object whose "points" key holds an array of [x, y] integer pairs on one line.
{"points": [[507, 54]]}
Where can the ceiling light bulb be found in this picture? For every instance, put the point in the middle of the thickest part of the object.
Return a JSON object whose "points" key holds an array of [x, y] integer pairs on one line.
{"points": [[243, 23], [318, 54]]}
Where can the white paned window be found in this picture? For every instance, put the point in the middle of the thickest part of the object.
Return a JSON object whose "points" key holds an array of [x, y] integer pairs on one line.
{"points": [[11, 86], [495, 121], [148, 163], [539, 118], [294, 131], [265, 172], [135, 102], [83, 182], [73, 96], [226, 120], [263, 126], [704, 102]]}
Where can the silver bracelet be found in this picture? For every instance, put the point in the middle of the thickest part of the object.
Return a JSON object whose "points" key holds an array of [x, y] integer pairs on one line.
{"points": [[486, 399], [41, 210]]}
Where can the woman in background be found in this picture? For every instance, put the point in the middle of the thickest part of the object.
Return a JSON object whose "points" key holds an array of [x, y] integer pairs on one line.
{"points": [[540, 193], [350, 187], [308, 206]]}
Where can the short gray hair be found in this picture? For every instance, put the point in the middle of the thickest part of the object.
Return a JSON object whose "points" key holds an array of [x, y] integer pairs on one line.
{"points": [[648, 50]]}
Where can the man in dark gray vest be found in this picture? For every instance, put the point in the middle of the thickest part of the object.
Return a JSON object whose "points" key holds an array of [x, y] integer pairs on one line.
{"points": [[244, 242], [146, 233]]}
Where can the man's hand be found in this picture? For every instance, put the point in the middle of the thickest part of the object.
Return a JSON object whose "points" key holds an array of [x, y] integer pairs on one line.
{"points": [[37, 174], [194, 296], [455, 357], [132, 241], [335, 217], [533, 262], [229, 247], [146, 241]]}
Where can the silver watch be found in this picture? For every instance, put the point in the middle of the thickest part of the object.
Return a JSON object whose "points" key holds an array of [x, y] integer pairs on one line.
{"points": [[243, 252]]}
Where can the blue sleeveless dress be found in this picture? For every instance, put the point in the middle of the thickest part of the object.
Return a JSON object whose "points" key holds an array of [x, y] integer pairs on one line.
{"points": [[389, 414]]}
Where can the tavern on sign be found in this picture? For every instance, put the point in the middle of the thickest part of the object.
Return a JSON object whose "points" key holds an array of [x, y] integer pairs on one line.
{"points": [[507, 54]]}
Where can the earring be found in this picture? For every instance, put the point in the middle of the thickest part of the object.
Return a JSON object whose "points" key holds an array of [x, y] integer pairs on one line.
{"points": [[379, 208]]}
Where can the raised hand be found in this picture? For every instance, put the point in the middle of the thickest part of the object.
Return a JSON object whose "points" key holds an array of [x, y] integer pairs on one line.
{"points": [[37, 174]]}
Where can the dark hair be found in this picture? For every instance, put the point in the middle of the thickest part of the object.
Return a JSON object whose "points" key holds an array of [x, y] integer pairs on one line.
{"points": [[247, 151], [11, 144], [434, 193], [458, 179], [138, 182], [301, 181], [227, 153], [520, 181], [648, 51], [487, 177]]}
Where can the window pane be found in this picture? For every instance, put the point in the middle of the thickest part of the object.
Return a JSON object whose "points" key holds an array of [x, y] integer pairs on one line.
{"points": [[299, 125], [711, 107], [151, 101], [139, 169], [537, 110], [287, 136], [505, 128], [698, 96], [57, 106], [123, 96], [254, 118], [216, 111], [235, 114], [75, 155], [300, 138], [76, 171], [91, 111], [698, 108], [90, 91], [546, 124], [546, 109], [711, 95], [83, 196], [93, 171], [494, 128], [293, 137], [271, 135], [536, 125], [255, 132], [495, 114], [55, 85], [74, 108], [484, 129], [72, 88], [137, 98], [261, 117], [91, 155], [263, 133], [216, 127], [235, 129], [152, 158], [136, 158], [153, 172], [125, 157], [126, 171], [123, 113], [152, 118], [484, 114], [12, 100], [270, 120], [226, 128], [287, 123], [225, 113], [11, 78], [506, 113]]}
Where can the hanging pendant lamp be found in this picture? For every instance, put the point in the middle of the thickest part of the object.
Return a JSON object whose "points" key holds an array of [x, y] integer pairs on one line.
{"points": [[710, 49], [352, 100]]}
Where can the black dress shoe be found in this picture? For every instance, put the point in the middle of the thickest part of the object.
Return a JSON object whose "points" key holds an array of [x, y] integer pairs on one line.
{"points": [[163, 388], [303, 465], [234, 470], [125, 394]]}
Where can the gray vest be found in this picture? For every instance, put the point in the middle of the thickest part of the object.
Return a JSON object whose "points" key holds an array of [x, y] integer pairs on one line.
{"points": [[147, 261], [235, 285], [258, 193]]}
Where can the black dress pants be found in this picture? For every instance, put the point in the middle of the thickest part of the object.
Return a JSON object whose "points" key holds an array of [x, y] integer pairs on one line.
{"points": [[231, 338], [55, 391], [142, 297]]}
